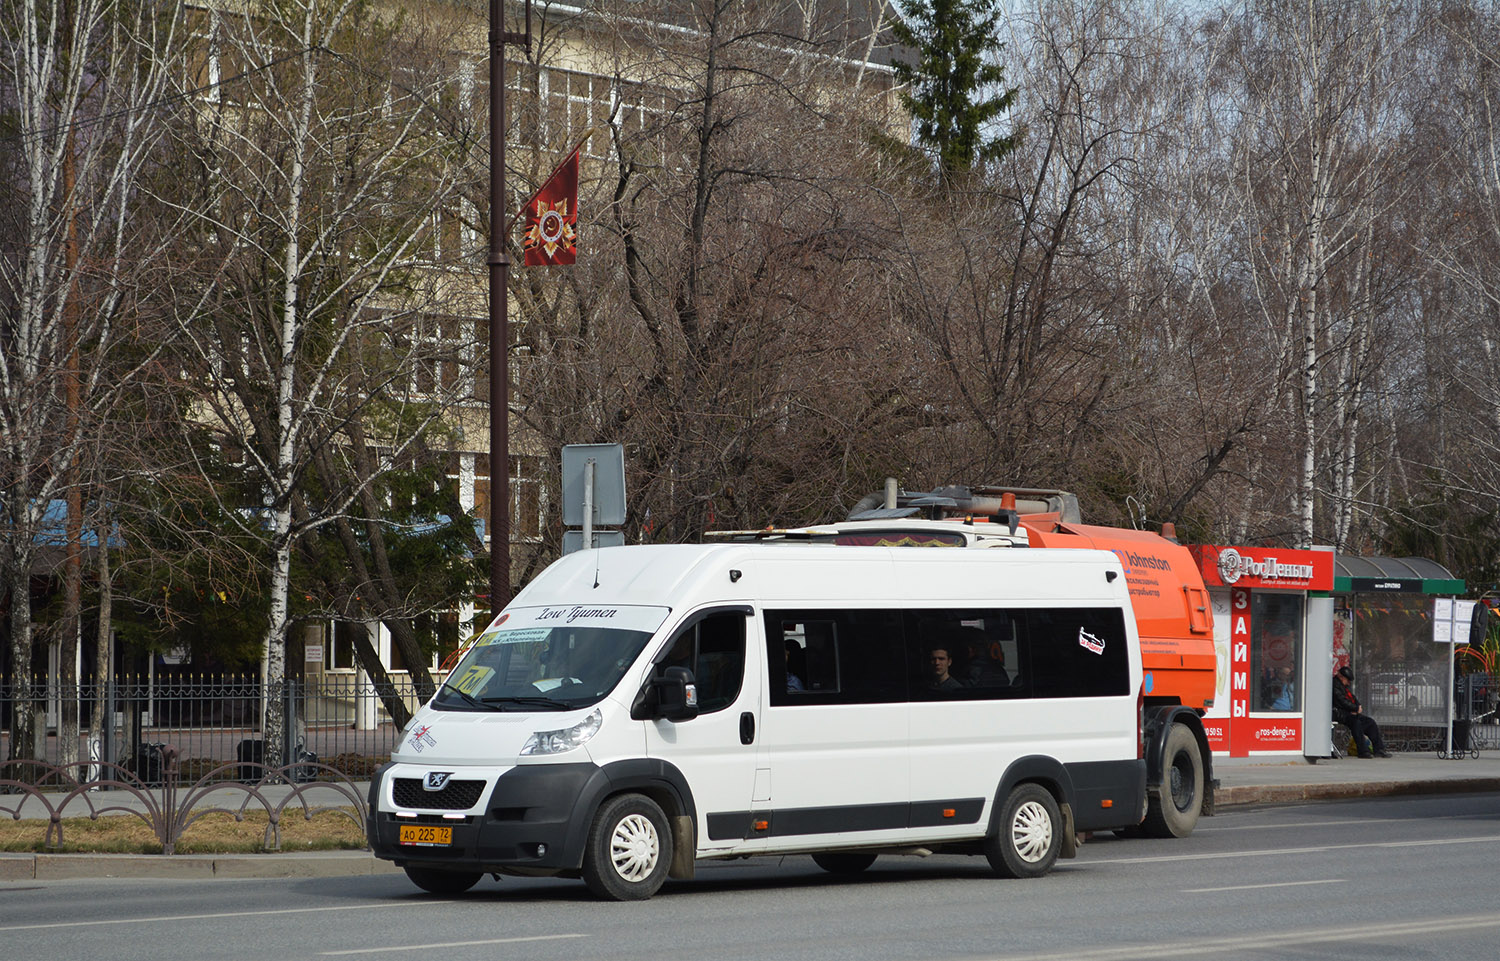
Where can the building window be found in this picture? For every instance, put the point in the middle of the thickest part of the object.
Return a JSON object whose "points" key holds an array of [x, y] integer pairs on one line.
{"points": [[341, 650], [527, 497], [438, 354], [481, 507], [555, 106], [477, 360]]}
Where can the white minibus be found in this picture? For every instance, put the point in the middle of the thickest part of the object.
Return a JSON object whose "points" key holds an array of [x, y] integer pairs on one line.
{"points": [[636, 709]]}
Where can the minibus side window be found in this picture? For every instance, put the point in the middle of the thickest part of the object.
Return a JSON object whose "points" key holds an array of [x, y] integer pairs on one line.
{"points": [[834, 657], [1078, 652], [980, 650], [886, 656], [822, 656], [804, 656], [713, 648], [870, 657]]}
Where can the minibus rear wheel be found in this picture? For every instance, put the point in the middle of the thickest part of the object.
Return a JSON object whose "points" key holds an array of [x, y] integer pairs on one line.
{"points": [[438, 881], [629, 849], [844, 863], [1028, 836]]}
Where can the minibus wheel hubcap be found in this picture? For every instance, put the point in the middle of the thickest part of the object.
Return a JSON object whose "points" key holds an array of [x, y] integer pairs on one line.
{"points": [[1031, 831], [634, 847]]}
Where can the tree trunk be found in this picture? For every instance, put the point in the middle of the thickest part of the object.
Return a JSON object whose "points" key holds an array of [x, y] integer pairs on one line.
{"points": [[104, 652], [70, 631], [274, 671], [287, 429], [24, 733]]}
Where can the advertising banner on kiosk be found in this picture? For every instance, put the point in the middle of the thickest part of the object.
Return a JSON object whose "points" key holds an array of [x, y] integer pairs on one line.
{"points": [[1261, 674]]}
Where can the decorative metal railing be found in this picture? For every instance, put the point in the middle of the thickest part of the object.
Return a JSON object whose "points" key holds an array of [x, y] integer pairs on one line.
{"points": [[33, 790], [215, 722]]}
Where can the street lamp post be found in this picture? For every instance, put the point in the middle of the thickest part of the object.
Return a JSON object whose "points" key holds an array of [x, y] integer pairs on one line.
{"points": [[499, 280]]}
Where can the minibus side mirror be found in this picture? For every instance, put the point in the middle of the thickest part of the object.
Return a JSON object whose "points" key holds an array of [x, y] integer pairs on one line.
{"points": [[676, 694], [671, 697]]}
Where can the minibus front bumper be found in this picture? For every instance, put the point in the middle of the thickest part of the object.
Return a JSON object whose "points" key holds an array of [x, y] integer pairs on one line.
{"points": [[528, 819]]}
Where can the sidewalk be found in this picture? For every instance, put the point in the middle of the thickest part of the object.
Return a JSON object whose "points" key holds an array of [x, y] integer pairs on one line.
{"points": [[1241, 781], [1256, 780]]}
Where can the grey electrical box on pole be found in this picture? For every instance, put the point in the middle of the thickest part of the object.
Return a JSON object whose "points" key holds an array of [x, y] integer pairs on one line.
{"points": [[593, 490]]}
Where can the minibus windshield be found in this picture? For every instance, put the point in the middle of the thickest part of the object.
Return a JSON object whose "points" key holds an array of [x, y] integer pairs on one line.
{"points": [[540, 668]]}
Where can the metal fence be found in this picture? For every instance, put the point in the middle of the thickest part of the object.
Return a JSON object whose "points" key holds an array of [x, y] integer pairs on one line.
{"points": [[338, 721], [1476, 710], [1414, 704]]}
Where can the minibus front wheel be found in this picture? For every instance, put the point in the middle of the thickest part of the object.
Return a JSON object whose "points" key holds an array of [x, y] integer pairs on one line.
{"points": [[629, 849], [1028, 836]]}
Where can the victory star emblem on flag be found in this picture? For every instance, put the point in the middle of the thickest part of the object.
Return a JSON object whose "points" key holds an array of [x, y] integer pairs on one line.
{"points": [[551, 229], [552, 218]]}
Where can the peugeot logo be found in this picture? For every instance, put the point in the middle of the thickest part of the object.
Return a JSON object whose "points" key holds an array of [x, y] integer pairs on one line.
{"points": [[436, 780]]}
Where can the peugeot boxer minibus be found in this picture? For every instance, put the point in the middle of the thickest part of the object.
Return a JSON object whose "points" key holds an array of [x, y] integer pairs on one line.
{"points": [[637, 709]]}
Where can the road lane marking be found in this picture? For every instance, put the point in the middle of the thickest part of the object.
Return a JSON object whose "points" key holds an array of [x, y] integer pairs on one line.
{"points": [[1372, 933], [202, 917], [1282, 852], [456, 944], [1250, 887]]}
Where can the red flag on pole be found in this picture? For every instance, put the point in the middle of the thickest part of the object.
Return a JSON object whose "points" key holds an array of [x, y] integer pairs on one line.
{"points": [[552, 218]]}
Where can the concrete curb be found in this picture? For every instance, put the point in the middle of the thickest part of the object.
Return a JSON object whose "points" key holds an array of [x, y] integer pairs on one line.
{"points": [[59, 867], [1293, 793]]}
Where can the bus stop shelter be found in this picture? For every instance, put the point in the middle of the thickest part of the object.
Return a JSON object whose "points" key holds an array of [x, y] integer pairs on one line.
{"points": [[1383, 630]]}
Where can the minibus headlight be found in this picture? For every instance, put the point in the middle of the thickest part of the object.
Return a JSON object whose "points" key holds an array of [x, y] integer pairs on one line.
{"points": [[405, 731], [556, 742]]}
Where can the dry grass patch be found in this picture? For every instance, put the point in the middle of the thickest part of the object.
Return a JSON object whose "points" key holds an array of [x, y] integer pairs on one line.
{"points": [[210, 834]]}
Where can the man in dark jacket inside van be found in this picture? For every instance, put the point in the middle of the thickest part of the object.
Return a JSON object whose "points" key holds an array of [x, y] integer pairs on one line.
{"points": [[1349, 712], [940, 662]]}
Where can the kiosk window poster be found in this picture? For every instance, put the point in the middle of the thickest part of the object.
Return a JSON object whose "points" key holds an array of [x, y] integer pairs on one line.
{"points": [[1276, 652]]}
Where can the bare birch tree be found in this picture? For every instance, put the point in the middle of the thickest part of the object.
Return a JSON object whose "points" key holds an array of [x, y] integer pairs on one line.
{"points": [[1464, 244], [323, 169], [1320, 131], [82, 82]]}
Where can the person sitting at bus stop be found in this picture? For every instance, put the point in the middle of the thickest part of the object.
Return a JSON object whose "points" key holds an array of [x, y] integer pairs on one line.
{"points": [[1349, 712], [939, 662]]}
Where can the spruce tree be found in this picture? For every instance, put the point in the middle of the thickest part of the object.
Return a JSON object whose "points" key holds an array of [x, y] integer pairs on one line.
{"points": [[955, 89]]}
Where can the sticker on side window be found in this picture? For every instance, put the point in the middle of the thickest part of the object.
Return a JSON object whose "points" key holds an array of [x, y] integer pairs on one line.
{"points": [[1089, 642]]}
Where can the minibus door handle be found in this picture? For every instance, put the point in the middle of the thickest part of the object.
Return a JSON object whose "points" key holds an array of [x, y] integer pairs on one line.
{"points": [[747, 728]]}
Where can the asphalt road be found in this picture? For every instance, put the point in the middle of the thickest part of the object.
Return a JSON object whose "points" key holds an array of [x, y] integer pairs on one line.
{"points": [[1397, 878]]}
